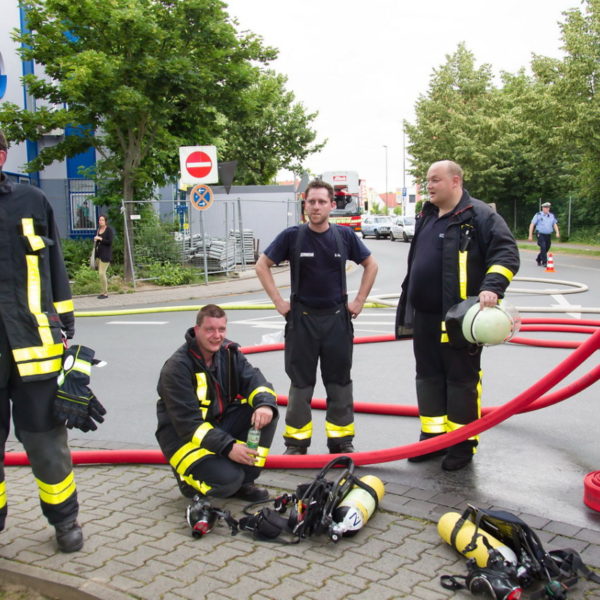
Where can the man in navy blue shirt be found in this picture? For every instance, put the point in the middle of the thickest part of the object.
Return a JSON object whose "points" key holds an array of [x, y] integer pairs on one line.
{"points": [[318, 317], [544, 222]]}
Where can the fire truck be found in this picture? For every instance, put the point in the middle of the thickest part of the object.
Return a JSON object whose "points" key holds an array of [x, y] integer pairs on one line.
{"points": [[347, 190]]}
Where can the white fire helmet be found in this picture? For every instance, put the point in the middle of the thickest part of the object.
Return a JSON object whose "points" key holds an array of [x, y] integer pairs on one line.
{"points": [[492, 325]]}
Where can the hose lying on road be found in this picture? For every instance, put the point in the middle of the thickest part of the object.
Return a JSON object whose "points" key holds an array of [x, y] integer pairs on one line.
{"points": [[531, 399]]}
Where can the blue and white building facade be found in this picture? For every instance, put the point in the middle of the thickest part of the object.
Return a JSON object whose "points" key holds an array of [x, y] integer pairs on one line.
{"points": [[69, 193]]}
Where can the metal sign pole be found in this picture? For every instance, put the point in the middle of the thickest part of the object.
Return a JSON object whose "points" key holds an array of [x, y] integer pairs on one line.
{"points": [[239, 203], [204, 248], [131, 257]]}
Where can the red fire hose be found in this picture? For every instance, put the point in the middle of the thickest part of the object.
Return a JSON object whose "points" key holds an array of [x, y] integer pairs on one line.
{"points": [[531, 399]]}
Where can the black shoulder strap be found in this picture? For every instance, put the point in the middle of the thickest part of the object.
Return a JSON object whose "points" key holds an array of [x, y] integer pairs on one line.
{"points": [[340, 246], [297, 251]]}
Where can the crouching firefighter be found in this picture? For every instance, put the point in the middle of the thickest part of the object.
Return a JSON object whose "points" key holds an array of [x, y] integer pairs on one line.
{"points": [[36, 311], [210, 396]]}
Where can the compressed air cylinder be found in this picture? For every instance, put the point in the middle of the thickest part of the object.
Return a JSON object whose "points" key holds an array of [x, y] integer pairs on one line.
{"points": [[356, 508], [464, 536]]}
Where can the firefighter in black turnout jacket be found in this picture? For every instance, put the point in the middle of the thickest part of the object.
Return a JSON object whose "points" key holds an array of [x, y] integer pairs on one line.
{"points": [[35, 306], [318, 317], [210, 396], [461, 248]]}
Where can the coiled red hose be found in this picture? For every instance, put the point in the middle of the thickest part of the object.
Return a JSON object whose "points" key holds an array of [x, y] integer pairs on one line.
{"points": [[531, 399]]}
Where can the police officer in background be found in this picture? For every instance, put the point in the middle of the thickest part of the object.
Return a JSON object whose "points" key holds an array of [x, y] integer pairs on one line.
{"points": [[544, 223], [318, 317], [35, 309], [461, 248]]}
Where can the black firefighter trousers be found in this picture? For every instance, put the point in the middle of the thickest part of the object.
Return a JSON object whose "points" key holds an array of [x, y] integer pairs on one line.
{"points": [[44, 439], [312, 335], [448, 379]]}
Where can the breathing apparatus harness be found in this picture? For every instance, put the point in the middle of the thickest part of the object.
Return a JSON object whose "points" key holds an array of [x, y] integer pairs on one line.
{"points": [[311, 508], [550, 574]]}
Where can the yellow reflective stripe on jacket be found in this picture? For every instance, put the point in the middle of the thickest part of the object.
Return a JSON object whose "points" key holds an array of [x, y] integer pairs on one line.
{"points": [[2, 494], [38, 352], [303, 433], [260, 460], [55, 493], [34, 284], [201, 388], [83, 366], [64, 307], [501, 271], [444, 339], [201, 432], [187, 455], [258, 390], [338, 431], [462, 274], [433, 424], [39, 368], [35, 241]]}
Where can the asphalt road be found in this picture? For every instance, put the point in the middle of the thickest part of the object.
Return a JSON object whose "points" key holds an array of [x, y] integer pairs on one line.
{"points": [[533, 462]]}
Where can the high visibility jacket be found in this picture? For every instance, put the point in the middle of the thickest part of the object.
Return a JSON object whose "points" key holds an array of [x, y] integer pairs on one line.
{"points": [[35, 297], [479, 253], [194, 397]]}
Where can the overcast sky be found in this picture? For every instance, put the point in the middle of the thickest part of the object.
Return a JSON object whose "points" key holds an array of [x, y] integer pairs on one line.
{"points": [[363, 64]]}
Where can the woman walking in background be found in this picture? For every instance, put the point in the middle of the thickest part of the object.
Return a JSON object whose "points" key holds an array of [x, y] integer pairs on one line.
{"points": [[103, 240]]}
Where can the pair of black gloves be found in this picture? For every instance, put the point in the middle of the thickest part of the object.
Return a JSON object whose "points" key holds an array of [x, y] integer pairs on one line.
{"points": [[75, 403]]}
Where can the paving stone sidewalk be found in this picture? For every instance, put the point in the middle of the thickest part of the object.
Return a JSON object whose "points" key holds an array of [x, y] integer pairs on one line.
{"points": [[138, 545]]}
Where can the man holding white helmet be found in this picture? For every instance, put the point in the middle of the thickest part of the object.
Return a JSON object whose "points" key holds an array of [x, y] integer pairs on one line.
{"points": [[461, 248]]}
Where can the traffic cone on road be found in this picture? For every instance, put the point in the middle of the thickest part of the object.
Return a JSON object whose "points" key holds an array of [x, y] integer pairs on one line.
{"points": [[550, 264]]}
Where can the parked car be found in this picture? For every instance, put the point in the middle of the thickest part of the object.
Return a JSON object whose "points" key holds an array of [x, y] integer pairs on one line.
{"points": [[403, 228], [377, 226]]}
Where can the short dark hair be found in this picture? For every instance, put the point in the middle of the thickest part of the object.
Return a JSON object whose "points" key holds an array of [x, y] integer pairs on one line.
{"points": [[3, 141], [210, 310], [319, 183]]}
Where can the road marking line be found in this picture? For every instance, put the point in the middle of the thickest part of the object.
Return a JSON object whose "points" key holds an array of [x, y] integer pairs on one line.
{"points": [[562, 301]]}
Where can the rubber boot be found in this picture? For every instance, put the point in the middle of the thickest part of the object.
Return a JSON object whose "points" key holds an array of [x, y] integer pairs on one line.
{"points": [[69, 536], [459, 456], [429, 455]]}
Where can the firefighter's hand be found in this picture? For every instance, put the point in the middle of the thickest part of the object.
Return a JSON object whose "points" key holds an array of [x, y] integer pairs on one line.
{"points": [[283, 307], [262, 416], [487, 298], [355, 307], [240, 453]]}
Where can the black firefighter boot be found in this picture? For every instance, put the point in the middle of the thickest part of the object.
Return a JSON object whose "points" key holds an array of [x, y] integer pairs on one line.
{"points": [[423, 457], [69, 536], [459, 455]]}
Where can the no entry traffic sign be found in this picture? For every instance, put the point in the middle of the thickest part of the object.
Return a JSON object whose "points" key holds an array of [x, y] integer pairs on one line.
{"points": [[201, 197], [198, 164]]}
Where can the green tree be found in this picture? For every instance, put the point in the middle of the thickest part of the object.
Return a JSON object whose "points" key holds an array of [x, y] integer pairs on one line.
{"points": [[138, 78], [574, 86], [272, 132]]}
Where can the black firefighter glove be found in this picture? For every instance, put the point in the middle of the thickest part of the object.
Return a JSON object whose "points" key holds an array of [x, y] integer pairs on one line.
{"points": [[75, 404]]}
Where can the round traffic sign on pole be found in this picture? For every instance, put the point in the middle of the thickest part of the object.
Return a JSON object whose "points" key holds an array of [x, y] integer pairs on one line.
{"points": [[201, 196], [198, 164]]}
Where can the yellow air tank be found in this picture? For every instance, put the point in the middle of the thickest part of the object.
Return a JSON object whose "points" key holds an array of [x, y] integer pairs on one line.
{"points": [[355, 509], [464, 536]]}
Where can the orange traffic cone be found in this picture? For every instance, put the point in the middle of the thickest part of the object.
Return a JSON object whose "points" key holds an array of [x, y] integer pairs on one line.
{"points": [[550, 264]]}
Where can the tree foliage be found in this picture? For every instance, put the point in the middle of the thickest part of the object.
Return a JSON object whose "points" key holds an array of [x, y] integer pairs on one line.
{"points": [[272, 132], [528, 137], [136, 79]]}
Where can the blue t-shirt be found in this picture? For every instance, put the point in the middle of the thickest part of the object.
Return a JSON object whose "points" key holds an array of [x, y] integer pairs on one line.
{"points": [[320, 284], [544, 223]]}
